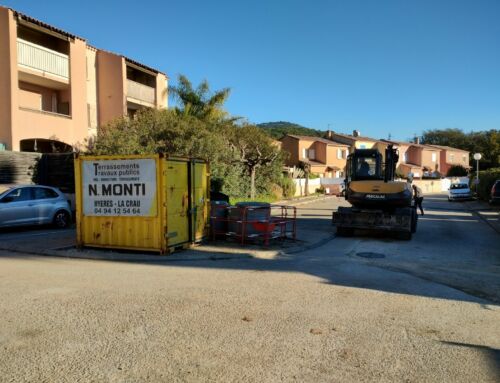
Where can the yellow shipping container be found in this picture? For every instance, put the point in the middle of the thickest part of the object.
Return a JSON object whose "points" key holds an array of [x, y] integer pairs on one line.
{"points": [[141, 202]]}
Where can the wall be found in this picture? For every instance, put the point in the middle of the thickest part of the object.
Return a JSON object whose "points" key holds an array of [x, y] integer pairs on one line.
{"points": [[8, 75], [110, 87], [415, 155], [432, 186], [332, 158], [91, 77], [427, 159], [290, 145], [161, 91], [321, 149], [30, 96]]}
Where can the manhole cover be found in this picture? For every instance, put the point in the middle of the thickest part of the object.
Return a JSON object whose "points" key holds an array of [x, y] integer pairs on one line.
{"points": [[369, 254]]}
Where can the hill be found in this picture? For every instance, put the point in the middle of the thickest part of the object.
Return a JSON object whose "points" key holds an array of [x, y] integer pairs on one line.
{"points": [[279, 129]]}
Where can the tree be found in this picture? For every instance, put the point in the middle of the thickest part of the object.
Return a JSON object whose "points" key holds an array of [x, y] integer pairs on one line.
{"points": [[253, 149], [199, 102], [456, 171], [485, 142]]}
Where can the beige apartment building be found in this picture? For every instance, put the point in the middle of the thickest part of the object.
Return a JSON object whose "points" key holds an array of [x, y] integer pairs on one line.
{"points": [[56, 89], [327, 158]]}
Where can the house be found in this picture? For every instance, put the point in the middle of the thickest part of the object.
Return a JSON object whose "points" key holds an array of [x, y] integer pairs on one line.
{"points": [[420, 160], [327, 158], [354, 141], [57, 89], [452, 156]]}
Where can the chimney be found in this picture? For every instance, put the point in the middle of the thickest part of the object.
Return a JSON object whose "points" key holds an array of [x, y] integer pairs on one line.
{"points": [[416, 140], [329, 134], [356, 133]]}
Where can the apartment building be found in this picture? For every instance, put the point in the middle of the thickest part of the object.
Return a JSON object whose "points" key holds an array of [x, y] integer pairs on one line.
{"points": [[56, 89], [327, 158]]}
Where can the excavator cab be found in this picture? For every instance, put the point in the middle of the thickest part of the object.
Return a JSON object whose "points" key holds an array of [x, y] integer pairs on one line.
{"points": [[364, 164]]}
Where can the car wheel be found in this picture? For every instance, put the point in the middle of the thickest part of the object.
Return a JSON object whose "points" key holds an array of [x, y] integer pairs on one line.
{"points": [[61, 219]]}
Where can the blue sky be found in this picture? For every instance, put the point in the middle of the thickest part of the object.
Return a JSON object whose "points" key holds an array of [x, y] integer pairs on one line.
{"points": [[385, 66]]}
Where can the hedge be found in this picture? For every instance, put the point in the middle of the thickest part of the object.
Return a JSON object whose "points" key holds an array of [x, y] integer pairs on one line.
{"points": [[486, 180]]}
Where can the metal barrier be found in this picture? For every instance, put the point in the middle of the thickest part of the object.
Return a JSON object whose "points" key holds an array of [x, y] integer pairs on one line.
{"points": [[253, 223]]}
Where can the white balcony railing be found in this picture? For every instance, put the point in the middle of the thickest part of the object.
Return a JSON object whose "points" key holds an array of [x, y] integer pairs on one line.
{"points": [[43, 59], [140, 92]]}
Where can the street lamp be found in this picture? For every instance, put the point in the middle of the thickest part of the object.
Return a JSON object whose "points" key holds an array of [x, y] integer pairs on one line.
{"points": [[477, 157]]}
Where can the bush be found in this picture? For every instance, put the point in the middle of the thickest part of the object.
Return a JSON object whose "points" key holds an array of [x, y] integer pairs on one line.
{"points": [[288, 187], [486, 180], [457, 171]]}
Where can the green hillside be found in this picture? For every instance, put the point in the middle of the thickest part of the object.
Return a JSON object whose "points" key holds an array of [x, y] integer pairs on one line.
{"points": [[279, 129]]}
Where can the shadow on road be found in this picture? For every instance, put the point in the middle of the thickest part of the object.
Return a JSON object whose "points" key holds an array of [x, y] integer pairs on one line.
{"points": [[336, 262]]}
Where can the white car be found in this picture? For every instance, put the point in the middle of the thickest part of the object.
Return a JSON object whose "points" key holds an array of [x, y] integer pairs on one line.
{"points": [[459, 191]]}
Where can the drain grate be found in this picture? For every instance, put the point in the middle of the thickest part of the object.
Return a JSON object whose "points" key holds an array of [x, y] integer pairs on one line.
{"points": [[368, 254]]}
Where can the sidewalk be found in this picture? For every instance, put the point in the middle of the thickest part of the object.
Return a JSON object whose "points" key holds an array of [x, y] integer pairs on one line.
{"points": [[61, 243], [488, 213]]}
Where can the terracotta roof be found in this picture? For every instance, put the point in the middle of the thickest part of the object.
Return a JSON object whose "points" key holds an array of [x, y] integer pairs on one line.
{"points": [[311, 138], [449, 148], [358, 138], [397, 142], [44, 25]]}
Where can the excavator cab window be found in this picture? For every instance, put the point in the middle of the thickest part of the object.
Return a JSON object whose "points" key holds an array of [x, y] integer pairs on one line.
{"points": [[366, 166]]}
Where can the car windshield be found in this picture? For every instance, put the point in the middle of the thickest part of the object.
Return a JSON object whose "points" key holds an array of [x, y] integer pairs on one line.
{"points": [[459, 186]]}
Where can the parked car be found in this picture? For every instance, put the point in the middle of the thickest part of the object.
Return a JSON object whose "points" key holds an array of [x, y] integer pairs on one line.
{"points": [[459, 191], [495, 192], [26, 205]]}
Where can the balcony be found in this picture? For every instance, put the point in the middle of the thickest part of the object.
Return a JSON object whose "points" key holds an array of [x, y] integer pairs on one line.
{"points": [[140, 92], [40, 59]]}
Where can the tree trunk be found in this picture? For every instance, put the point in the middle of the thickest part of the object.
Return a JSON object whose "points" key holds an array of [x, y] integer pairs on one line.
{"points": [[252, 182]]}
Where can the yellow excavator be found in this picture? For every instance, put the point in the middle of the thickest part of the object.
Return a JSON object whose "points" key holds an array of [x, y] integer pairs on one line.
{"points": [[378, 201]]}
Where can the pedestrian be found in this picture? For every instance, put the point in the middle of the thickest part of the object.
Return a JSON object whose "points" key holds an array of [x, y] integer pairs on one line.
{"points": [[418, 198]]}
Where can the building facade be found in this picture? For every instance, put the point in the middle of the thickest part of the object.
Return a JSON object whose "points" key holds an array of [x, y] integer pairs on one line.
{"points": [[326, 158], [56, 89]]}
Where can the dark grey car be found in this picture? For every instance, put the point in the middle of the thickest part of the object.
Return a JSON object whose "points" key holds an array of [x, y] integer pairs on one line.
{"points": [[34, 205]]}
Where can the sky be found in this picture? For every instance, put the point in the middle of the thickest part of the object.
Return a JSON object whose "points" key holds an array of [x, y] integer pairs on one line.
{"points": [[396, 67]]}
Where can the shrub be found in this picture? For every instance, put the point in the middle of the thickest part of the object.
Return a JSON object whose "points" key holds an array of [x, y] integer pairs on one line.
{"points": [[486, 180], [457, 171], [288, 187]]}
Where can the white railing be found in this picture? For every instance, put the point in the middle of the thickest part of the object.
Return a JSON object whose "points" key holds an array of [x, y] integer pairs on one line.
{"points": [[41, 58], [140, 92]]}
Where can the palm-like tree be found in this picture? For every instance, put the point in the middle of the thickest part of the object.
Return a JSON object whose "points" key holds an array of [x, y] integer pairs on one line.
{"points": [[199, 102]]}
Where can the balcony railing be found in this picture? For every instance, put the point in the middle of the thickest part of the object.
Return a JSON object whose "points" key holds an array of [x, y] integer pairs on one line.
{"points": [[43, 59], [140, 92]]}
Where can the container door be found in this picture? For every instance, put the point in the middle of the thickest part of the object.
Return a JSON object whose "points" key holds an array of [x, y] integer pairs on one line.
{"points": [[199, 200], [177, 197]]}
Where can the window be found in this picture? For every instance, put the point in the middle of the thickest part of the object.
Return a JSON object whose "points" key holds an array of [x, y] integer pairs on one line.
{"points": [[311, 154], [405, 157], [43, 193], [19, 195], [464, 159], [433, 156], [304, 153], [339, 153], [452, 157], [346, 153]]}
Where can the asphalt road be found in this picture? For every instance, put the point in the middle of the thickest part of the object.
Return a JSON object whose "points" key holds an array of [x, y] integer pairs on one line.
{"points": [[424, 310]]}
